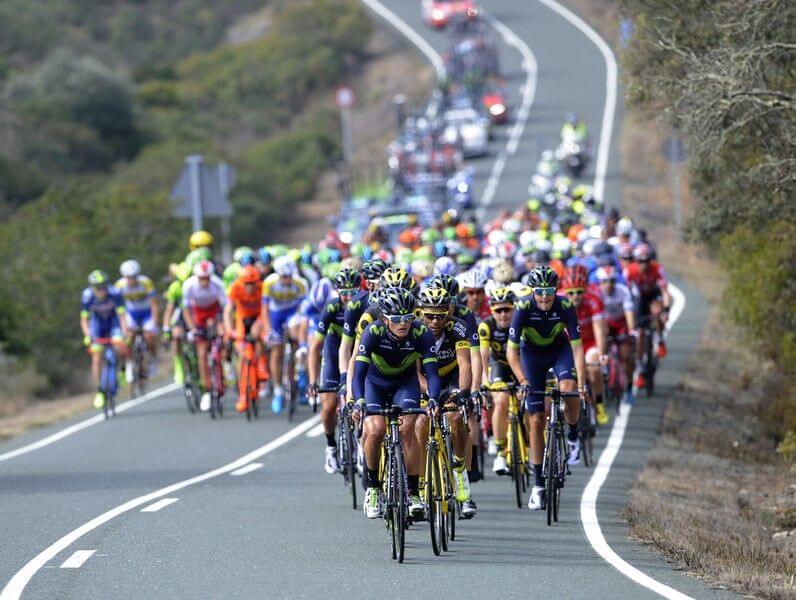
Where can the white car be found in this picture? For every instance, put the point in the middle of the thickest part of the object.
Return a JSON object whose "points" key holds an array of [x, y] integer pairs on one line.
{"points": [[468, 128]]}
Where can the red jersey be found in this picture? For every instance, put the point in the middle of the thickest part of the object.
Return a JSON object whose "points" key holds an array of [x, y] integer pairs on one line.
{"points": [[648, 283], [590, 309]]}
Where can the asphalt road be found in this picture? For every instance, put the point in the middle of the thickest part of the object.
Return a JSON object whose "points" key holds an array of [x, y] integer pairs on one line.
{"points": [[286, 530]]}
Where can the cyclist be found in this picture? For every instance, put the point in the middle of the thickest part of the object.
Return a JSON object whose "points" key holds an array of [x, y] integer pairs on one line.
{"points": [[493, 334], [283, 291], [203, 298], [304, 323], [246, 303], [621, 321], [455, 371], [544, 334], [574, 129], [101, 317], [593, 335], [233, 269], [386, 369], [173, 321], [473, 284], [141, 306], [323, 359], [647, 280]]}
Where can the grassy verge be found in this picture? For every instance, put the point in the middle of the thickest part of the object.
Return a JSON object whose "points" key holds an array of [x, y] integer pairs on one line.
{"points": [[714, 497]]}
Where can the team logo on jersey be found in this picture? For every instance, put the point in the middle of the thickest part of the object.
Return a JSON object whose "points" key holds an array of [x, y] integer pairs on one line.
{"points": [[362, 347]]}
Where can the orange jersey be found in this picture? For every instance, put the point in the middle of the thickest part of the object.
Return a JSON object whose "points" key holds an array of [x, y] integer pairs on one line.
{"points": [[246, 305]]}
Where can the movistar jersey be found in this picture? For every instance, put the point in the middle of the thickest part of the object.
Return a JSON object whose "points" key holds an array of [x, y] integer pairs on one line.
{"points": [[534, 328], [330, 323], [471, 321], [353, 311]]}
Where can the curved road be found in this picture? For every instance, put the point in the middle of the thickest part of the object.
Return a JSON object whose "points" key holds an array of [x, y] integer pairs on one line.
{"points": [[72, 515]]}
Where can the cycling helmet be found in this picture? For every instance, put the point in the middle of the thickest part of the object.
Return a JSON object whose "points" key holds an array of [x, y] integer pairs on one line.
{"points": [[200, 239], [434, 298], [352, 262], [373, 269], [395, 277], [447, 282], [465, 259], [264, 255], [98, 278], [348, 279], [606, 274], [626, 251], [249, 274], [642, 253], [396, 301], [575, 277], [279, 250], [542, 277], [444, 265], [624, 227], [130, 268], [501, 295], [284, 266], [320, 293], [384, 255], [572, 118], [503, 273], [449, 233], [429, 236], [247, 259], [240, 251], [540, 257], [204, 268], [473, 279], [422, 267]]}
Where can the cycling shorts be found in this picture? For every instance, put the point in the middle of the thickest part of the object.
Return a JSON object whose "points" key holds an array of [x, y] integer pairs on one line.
{"points": [[279, 320], [499, 374], [112, 331], [537, 362], [141, 320], [403, 392], [330, 372], [617, 329], [645, 300], [243, 327], [202, 315]]}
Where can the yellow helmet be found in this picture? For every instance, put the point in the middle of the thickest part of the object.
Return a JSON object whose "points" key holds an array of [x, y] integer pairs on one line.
{"points": [[200, 239]]}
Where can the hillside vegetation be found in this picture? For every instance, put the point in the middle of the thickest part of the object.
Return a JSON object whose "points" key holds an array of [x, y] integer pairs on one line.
{"points": [[101, 103]]}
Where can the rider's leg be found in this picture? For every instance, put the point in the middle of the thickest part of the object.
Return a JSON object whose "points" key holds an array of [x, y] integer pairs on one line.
{"points": [[500, 419], [202, 348]]}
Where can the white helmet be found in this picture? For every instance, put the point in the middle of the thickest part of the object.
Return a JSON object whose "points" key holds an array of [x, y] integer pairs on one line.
{"points": [[545, 245], [596, 232], [444, 265], [473, 279], [624, 226], [495, 237], [512, 226], [284, 266], [204, 268], [130, 268], [589, 245], [527, 238]]}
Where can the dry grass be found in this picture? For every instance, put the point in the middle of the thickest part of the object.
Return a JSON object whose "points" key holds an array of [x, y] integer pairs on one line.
{"points": [[713, 497]]}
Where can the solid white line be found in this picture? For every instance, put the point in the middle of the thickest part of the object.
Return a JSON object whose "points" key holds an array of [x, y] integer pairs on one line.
{"points": [[156, 506], [530, 66], [604, 148], [14, 588], [72, 429], [77, 559], [315, 431], [247, 469]]}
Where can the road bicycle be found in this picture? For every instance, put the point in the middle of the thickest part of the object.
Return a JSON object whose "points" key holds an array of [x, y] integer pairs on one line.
{"points": [[649, 357], [517, 453], [192, 389], [614, 374], [586, 432], [346, 443], [554, 463], [140, 357], [249, 382], [215, 367], [479, 399], [438, 488], [109, 376]]}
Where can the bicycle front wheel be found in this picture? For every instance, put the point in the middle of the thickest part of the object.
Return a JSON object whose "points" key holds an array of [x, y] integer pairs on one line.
{"points": [[516, 461], [432, 499], [400, 500], [551, 474]]}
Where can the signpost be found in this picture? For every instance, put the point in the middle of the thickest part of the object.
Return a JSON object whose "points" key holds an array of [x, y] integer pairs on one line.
{"points": [[345, 98], [675, 153]]}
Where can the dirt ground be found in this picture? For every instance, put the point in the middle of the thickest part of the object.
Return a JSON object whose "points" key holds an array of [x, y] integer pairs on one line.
{"points": [[714, 497]]}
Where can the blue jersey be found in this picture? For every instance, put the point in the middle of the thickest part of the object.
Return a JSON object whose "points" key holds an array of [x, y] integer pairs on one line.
{"points": [[533, 328], [383, 358], [103, 313], [330, 321], [471, 321], [353, 311], [307, 309]]}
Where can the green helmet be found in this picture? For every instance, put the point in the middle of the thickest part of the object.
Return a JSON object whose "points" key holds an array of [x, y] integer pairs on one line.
{"points": [[425, 252], [98, 278], [198, 255], [240, 252], [331, 270], [278, 250], [449, 233], [429, 236], [357, 249]]}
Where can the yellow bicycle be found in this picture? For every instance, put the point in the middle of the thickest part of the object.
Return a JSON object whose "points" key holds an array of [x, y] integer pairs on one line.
{"points": [[438, 486], [517, 455]]}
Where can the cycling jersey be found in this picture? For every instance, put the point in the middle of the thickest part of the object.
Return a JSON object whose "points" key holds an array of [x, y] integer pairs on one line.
{"points": [[491, 336], [330, 328], [353, 311], [103, 313], [386, 366], [283, 295], [590, 310], [454, 337], [248, 307], [615, 305], [470, 319], [205, 302], [647, 284], [137, 297]]}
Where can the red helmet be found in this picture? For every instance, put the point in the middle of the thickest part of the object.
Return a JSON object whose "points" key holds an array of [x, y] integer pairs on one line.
{"points": [[249, 274], [575, 277]]}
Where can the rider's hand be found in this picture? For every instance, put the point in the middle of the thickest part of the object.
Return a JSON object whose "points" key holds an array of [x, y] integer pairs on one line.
{"points": [[193, 334], [433, 407], [87, 340], [584, 393], [166, 335], [603, 359], [357, 412], [312, 391], [524, 390]]}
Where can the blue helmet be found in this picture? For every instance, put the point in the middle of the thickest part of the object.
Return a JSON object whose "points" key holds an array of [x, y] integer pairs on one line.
{"points": [[264, 255]]}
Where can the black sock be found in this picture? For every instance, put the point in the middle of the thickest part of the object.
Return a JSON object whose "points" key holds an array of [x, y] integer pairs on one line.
{"points": [[413, 481], [373, 478], [538, 477], [572, 434], [330, 441], [599, 399]]}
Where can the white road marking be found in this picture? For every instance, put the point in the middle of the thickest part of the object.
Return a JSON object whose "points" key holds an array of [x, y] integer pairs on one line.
{"points": [[156, 506], [315, 431], [604, 148], [247, 469], [528, 90], [77, 559], [14, 588], [99, 418]]}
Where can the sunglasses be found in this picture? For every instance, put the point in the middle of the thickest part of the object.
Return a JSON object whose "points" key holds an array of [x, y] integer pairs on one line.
{"points": [[575, 292], [544, 291], [399, 318], [346, 291], [473, 292], [502, 310], [435, 316]]}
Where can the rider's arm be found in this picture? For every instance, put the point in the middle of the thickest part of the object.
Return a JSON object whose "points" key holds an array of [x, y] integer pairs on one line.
{"points": [[426, 346], [187, 303], [228, 320], [120, 312], [484, 338], [314, 357], [600, 330], [84, 315], [361, 366], [513, 346], [465, 368], [167, 312]]}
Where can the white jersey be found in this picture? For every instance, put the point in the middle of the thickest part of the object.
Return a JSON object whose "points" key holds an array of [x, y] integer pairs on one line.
{"points": [[195, 295], [615, 305]]}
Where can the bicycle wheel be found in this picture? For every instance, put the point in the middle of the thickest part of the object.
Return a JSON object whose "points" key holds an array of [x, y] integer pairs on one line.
{"points": [[516, 461], [561, 469], [550, 474], [453, 505], [583, 435], [433, 502], [351, 464], [401, 508], [187, 390]]}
